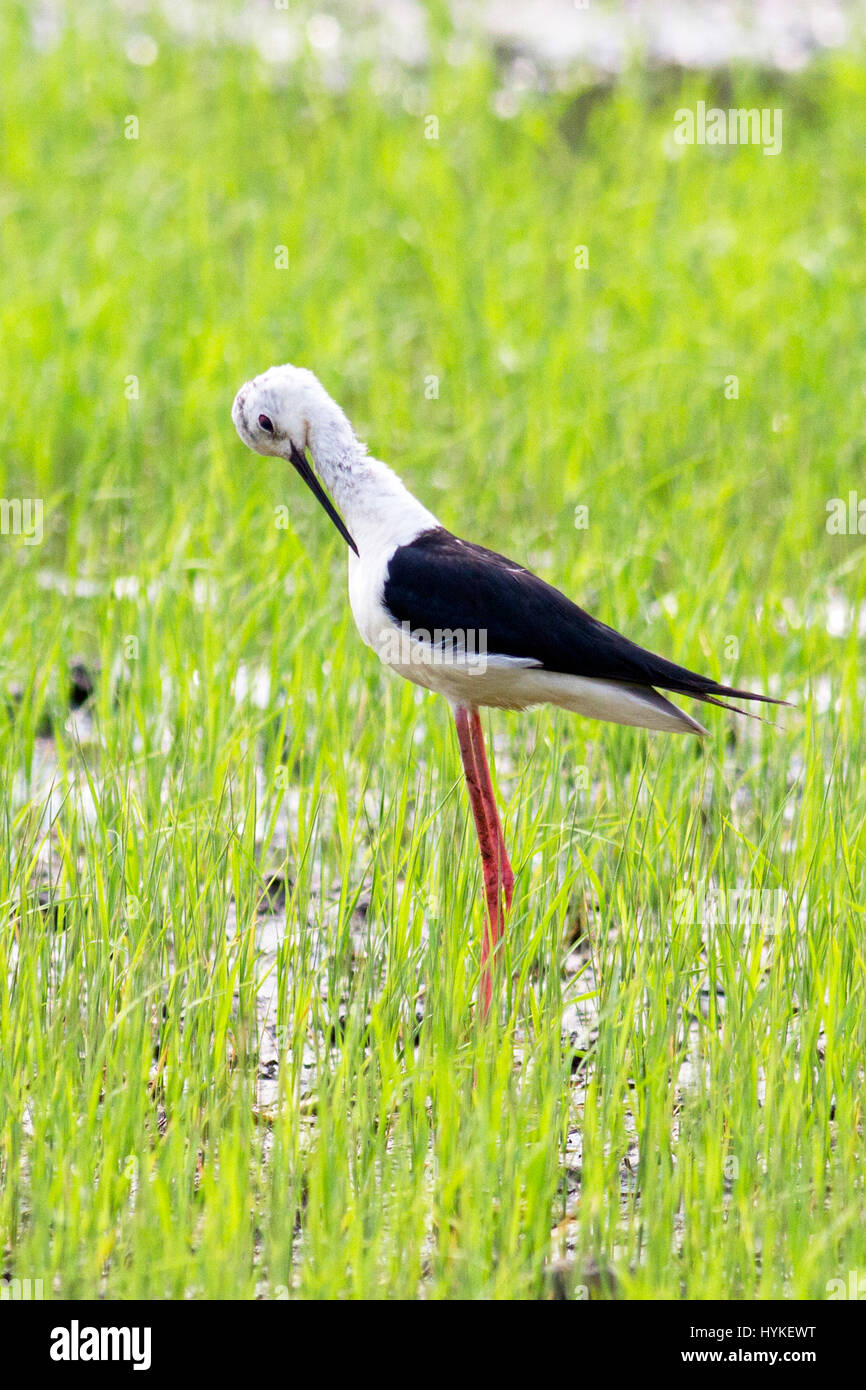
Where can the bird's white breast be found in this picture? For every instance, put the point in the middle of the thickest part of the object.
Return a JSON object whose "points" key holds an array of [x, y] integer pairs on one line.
{"points": [[396, 521], [366, 595]]}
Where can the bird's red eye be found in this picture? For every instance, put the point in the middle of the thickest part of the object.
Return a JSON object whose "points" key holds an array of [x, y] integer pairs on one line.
{"points": [[266, 424]]}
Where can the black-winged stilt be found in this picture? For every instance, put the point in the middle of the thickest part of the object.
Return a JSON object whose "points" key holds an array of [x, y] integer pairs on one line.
{"points": [[457, 618]]}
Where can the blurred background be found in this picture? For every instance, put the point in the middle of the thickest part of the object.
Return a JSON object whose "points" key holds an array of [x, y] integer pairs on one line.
{"points": [[478, 225]]}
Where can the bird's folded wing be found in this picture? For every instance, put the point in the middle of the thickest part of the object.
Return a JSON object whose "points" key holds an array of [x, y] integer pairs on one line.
{"points": [[439, 582]]}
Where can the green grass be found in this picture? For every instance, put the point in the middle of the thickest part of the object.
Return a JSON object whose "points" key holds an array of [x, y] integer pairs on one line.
{"points": [[698, 1150]]}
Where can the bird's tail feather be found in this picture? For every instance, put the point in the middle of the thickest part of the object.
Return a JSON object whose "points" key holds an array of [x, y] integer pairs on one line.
{"points": [[708, 691]]}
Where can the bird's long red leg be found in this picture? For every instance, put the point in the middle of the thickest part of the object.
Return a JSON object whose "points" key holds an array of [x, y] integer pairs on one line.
{"points": [[490, 842], [506, 876]]}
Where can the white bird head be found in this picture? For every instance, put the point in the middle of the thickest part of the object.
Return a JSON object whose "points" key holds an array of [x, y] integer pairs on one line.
{"points": [[286, 411], [278, 410]]}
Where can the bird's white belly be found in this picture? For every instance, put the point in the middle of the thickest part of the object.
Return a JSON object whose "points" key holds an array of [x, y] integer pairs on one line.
{"points": [[512, 683]]}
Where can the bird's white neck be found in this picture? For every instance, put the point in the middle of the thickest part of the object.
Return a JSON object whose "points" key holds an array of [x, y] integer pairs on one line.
{"points": [[378, 509]]}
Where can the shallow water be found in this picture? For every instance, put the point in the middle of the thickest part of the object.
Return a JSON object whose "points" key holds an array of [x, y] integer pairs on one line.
{"points": [[548, 40]]}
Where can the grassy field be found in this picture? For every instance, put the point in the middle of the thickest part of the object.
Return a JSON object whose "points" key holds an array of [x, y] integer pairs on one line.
{"points": [[240, 905]]}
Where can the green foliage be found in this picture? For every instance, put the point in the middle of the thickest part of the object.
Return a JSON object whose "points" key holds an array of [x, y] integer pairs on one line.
{"points": [[143, 1155]]}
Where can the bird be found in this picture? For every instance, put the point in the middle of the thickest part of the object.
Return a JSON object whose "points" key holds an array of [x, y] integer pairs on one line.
{"points": [[459, 619]]}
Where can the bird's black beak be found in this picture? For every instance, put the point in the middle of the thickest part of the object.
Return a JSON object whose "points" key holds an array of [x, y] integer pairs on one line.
{"points": [[300, 462]]}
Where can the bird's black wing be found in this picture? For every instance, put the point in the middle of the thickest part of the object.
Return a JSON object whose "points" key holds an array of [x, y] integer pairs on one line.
{"points": [[440, 582]]}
